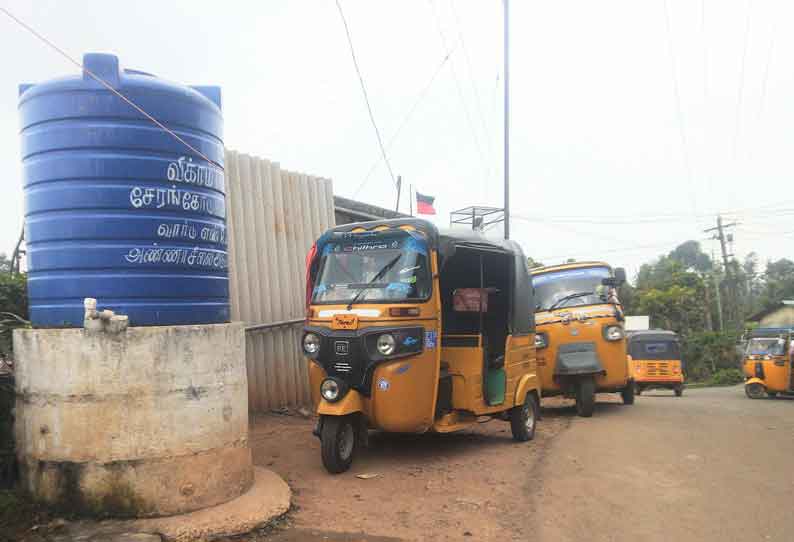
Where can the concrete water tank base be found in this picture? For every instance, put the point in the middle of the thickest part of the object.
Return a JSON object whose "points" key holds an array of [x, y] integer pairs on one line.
{"points": [[150, 421]]}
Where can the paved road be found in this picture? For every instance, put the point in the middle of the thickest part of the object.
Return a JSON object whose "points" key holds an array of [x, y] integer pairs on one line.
{"points": [[709, 466], [712, 465]]}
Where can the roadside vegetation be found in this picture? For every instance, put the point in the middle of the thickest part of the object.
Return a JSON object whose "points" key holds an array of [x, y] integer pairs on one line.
{"points": [[13, 305]]}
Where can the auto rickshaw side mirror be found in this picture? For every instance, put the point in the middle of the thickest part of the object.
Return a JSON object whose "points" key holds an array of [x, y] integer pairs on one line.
{"points": [[617, 279]]}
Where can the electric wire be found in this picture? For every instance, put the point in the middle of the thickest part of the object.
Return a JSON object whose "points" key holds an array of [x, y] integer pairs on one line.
{"points": [[765, 80], [704, 36], [444, 43], [364, 91], [740, 95], [679, 112], [107, 85], [419, 99], [477, 99]]}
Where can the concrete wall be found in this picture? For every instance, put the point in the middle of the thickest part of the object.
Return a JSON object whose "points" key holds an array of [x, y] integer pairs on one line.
{"points": [[782, 317], [148, 421], [273, 216]]}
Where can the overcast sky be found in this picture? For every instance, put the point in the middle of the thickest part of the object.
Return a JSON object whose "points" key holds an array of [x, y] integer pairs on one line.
{"points": [[605, 161]]}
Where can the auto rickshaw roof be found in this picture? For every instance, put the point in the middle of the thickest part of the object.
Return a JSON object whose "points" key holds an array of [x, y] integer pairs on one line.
{"points": [[771, 332], [570, 265], [653, 335], [445, 241]]}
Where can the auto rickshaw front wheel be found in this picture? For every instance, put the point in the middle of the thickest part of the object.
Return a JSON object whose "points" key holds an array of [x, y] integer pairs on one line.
{"points": [[338, 442], [585, 396], [523, 419], [755, 390]]}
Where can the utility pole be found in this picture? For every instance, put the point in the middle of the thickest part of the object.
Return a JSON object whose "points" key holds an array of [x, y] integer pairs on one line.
{"points": [[722, 238], [411, 198], [507, 117], [719, 301]]}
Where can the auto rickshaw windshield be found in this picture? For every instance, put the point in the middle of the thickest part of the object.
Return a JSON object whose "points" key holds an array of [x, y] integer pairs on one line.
{"points": [[570, 288], [373, 267], [770, 346]]}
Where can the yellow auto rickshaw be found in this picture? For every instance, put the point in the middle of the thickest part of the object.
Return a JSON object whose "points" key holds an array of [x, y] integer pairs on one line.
{"points": [[410, 330], [655, 361], [580, 336], [769, 363]]}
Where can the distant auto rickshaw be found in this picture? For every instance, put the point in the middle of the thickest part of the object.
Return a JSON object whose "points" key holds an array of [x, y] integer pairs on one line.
{"points": [[580, 336], [411, 330], [655, 361], [769, 362]]}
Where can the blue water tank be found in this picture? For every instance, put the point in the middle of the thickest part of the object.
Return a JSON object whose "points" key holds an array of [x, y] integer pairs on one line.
{"points": [[118, 209]]}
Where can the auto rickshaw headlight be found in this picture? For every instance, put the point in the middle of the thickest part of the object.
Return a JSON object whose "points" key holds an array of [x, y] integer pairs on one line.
{"points": [[311, 344], [613, 333], [541, 340], [386, 344], [330, 390]]}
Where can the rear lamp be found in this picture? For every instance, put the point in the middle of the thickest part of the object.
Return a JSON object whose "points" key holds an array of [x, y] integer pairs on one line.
{"points": [[404, 311], [541, 340], [613, 333]]}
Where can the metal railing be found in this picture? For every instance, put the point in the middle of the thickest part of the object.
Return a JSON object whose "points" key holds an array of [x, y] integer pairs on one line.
{"points": [[273, 325]]}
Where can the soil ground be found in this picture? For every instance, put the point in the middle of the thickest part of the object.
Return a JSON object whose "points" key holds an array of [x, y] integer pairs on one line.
{"points": [[709, 466]]}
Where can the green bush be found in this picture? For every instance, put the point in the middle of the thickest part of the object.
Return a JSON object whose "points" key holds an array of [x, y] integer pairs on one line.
{"points": [[727, 377], [707, 353], [13, 300]]}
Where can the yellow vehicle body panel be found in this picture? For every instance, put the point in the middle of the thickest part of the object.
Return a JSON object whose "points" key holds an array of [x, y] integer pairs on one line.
{"points": [[656, 371], [776, 371], [582, 324], [352, 402], [465, 365]]}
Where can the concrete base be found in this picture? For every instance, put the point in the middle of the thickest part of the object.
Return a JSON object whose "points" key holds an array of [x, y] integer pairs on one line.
{"points": [[267, 499], [142, 422]]}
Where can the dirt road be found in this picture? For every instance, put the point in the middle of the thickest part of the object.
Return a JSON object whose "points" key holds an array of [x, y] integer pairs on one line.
{"points": [[712, 465]]}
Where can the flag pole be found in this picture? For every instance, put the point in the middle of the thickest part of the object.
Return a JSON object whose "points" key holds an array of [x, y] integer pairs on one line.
{"points": [[399, 190]]}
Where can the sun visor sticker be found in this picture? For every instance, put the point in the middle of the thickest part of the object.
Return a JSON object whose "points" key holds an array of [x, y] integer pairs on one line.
{"points": [[399, 287]]}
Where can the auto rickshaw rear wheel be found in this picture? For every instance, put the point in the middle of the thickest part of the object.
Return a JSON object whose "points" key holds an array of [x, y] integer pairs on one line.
{"points": [[755, 390], [523, 419], [771, 394], [585, 396], [627, 393], [679, 391], [338, 442]]}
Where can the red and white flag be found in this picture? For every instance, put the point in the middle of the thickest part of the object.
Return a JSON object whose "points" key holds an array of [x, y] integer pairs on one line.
{"points": [[424, 204]]}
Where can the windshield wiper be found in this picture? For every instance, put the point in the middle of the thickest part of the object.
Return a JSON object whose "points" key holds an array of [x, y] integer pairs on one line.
{"points": [[569, 297], [377, 276]]}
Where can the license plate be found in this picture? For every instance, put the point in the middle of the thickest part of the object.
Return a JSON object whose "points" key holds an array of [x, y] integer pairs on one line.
{"points": [[345, 321]]}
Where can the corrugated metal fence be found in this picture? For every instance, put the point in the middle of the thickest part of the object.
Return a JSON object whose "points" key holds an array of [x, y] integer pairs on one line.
{"points": [[273, 217]]}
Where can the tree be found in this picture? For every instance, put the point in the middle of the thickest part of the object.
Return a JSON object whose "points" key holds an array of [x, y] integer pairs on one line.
{"points": [[5, 263], [778, 282]]}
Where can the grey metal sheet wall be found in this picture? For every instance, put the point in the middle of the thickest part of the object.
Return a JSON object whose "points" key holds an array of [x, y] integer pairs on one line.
{"points": [[273, 217]]}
